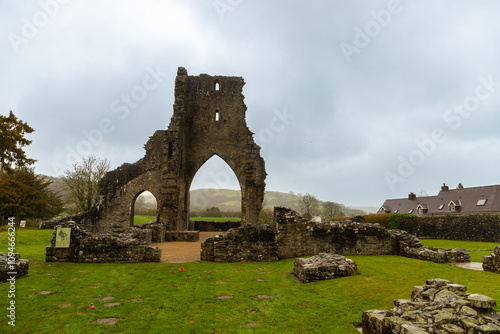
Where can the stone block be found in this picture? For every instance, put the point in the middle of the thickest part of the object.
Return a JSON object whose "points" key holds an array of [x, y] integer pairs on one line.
{"points": [[12, 263], [190, 236], [322, 267]]}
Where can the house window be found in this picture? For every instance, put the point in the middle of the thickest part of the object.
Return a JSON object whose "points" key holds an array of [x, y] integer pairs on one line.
{"points": [[441, 207], [453, 207], [420, 211], [411, 211], [396, 211], [481, 202]]}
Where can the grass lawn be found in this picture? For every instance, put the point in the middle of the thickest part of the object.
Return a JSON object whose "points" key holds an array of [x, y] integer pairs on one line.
{"points": [[138, 219], [476, 249], [158, 298]]}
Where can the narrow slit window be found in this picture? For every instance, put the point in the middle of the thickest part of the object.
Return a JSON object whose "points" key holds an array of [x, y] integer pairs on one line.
{"points": [[170, 149], [217, 86], [217, 116]]}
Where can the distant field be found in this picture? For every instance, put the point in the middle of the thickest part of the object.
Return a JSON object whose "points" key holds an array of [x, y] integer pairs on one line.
{"points": [[216, 219], [209, 297], [142, 219], [476, 249]]}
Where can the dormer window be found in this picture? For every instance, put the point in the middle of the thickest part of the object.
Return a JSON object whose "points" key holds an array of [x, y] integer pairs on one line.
{"points": [[454, 206], [385, 209], [422, 208]]}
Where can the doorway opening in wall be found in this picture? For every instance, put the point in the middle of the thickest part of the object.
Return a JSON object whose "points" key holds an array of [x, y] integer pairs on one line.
{"points": [[215, 193], [145, 208]]}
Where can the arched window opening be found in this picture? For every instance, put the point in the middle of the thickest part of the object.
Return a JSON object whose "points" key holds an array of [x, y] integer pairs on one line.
{"points": [[217, 85], [145, 208], [215, 193]]}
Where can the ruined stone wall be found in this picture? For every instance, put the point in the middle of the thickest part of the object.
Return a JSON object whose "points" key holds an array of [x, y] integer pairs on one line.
{"points": [[298, 237], [210, 226], [473, 227], [103, 248], [492, 262], [11, 265], [249, 243], [439, 306], [293, 236]]}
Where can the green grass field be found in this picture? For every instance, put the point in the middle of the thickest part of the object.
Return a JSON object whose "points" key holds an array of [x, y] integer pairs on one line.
{"points": [[216, 219], [142, 219], [158, 298]]}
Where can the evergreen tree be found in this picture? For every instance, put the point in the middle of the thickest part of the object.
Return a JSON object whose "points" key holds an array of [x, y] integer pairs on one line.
{"points": [[12, 131], [24, 195]]}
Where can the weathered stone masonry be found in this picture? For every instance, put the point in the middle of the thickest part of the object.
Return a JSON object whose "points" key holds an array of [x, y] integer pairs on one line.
{"points": [[208, 119], [104, 248], [492, 262], [293, 236], [439, 306], [12, 263]]}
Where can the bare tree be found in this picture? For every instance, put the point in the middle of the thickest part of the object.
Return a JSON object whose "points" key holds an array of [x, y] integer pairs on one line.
{"points": [[332, 209], [309, 205], [83, 179]]}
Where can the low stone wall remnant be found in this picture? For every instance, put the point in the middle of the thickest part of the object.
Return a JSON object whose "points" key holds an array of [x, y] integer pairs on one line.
{"points": [[104, 248], [12, 262], [492, 262], [249, 243], [190, 236], [157, 230], [293, 236], [322, 267], [439, 306], [210, 226]]}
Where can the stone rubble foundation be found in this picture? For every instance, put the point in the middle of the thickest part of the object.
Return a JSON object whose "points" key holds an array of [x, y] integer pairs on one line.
{"points": [[293, 236], [12, 263], [130, 246], [492, 262], [322, 267], [438, 307]]}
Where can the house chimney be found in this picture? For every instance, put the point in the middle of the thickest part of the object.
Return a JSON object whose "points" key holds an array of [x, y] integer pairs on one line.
{"points": [[445, 187], [412, 196]]}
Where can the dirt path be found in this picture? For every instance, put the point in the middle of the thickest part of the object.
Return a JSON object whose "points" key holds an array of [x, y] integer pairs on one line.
{"points": [[180, 251]]}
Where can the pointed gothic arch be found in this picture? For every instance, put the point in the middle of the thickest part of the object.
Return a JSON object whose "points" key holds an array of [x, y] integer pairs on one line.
{"points": [[208, 119]]}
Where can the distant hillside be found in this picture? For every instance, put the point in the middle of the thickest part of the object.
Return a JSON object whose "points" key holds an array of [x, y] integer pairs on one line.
{"points": [[367, 209], [230, 200]]}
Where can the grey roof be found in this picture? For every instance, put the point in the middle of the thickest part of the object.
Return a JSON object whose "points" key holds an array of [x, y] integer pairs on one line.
{"points": [[467, 198]]}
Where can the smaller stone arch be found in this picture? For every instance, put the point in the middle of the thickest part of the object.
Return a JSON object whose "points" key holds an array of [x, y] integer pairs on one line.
{"points": [[133, 204]]}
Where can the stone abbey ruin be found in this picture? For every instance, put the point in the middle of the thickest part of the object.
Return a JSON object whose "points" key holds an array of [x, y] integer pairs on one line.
{"points": [[208, 119]]}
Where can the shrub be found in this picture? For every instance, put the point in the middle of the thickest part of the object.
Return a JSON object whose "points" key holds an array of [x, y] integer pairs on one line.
{"points": [[395, 219], [378, 218]]}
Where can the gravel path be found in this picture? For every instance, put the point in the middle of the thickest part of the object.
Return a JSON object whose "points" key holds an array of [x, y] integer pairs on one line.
{"points": [[182, 252]]}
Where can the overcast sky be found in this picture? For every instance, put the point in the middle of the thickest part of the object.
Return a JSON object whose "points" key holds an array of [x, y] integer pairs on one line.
{"points": [[351, 101]]}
